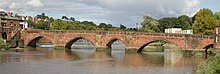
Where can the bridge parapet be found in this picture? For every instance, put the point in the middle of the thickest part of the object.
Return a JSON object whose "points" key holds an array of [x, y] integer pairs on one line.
{"points": [[194, 36]]}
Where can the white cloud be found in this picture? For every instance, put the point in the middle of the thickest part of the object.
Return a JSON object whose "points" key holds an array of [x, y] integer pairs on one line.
{"points": [[35, 3], [127, 12]]}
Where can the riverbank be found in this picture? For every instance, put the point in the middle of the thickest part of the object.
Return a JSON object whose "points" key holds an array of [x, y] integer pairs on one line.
{"points": [[210, 66]]}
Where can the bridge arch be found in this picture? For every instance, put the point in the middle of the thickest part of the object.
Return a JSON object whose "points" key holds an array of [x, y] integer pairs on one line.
{"points": [[207, 47], [70, 42], [112, 40], [147, 43], [33, 41], [4, 35]]}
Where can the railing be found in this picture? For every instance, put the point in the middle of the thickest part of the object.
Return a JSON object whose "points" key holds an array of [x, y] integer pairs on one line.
{"points": [[196, 36]]}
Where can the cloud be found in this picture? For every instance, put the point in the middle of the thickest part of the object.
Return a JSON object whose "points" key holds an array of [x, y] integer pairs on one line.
{"points": [[127, 12], [35, 3]]}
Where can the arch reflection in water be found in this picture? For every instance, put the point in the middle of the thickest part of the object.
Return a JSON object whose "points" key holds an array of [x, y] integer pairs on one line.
{"points": [[84, 62], [139, 60], [80, 43], [41, 41], [117, 47]]}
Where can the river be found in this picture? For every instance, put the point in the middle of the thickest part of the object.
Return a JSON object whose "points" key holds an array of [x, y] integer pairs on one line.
{"points": [[89, 61], [84, 61]]}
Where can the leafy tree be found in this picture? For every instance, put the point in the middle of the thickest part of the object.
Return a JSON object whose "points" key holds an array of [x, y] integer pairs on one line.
{"points": [[109, 26], [65, 17], [122, 27], [204, 22], [217, 16], [51, 19], [59, 25], [72, 18], [88, 23], [102, 25], [42, 25], [150, 24], [169, 22], [185, 21], [31, 24], [42, 16]]}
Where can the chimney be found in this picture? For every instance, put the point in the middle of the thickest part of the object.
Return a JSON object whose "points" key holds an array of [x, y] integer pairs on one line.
{"points": [[9, 14]]}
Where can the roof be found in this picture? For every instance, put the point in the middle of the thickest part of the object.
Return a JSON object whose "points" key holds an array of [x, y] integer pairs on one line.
{"points": [[11, 18]]}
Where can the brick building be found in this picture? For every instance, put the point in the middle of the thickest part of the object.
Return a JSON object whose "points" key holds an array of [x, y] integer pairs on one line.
{"points": [[10, 24]]}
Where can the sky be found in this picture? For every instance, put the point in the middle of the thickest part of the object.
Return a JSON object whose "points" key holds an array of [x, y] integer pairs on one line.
{"points": [[116, 12]]}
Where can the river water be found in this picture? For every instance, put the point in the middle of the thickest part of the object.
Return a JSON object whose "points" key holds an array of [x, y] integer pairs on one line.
{"points": [[89, 61]]}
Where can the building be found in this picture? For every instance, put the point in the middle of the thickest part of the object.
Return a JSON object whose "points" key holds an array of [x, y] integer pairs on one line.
{"points": [[178, 31], [10, 24]]}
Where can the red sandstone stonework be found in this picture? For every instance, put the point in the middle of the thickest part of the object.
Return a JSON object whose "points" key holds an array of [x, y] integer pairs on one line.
{"points": [[133, 40]]}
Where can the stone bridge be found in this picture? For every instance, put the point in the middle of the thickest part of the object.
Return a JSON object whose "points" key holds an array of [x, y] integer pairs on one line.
{"points": [[104, 39]]}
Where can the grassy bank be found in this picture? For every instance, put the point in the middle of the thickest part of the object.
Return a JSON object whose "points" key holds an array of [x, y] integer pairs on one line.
{"points": [[210, 66]]}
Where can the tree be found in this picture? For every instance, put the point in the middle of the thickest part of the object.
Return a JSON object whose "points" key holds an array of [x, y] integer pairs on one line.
{"points": [[122, 27], [65, 17], [51, 19], [42, 16], [169, 22], [204, 22], [72, 18], [31, 24], [42, 25], [59, 25], [217, 16], [109, 26], [185, 21], [150, 24], [102, 25]]}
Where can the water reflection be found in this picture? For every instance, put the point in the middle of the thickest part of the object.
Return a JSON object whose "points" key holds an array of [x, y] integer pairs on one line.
{"points": [[47, 61]]}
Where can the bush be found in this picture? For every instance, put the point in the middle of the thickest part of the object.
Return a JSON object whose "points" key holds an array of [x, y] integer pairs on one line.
{"points": [[210, 66], [3, 45]]}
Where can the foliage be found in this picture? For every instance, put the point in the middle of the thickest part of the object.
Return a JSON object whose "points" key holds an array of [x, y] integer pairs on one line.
{"points": [[150, 24], [204, 22], [72, 18], [3, 44], [210, 66], [122, 27], [65, 17], [42, 25], [169, 22], [31, 24], [59, 25], [185, 21], [217, 16], [102, 25], [42, 16]]}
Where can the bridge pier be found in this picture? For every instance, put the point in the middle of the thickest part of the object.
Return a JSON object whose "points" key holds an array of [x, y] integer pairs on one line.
{"points": [[131, 49]]}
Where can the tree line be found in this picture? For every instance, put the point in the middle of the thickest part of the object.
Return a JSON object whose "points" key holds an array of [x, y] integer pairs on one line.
{"points": [[203, 22], [45, 23]]}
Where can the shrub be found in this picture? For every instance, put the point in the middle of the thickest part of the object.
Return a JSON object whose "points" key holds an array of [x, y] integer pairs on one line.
{"points": [[4, 45], [210, 66]]}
